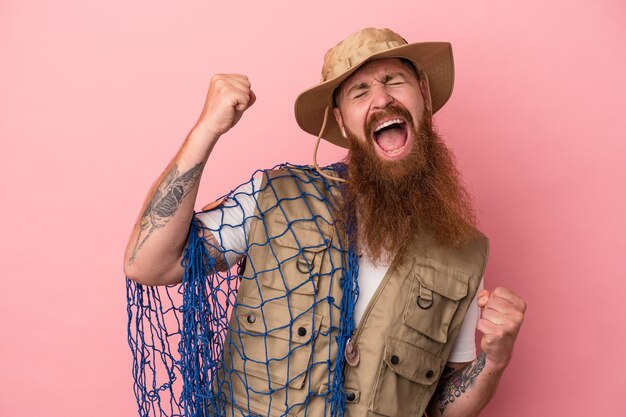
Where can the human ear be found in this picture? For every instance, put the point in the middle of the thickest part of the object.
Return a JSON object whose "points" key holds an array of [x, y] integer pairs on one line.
{"points": [[339, 120], [425, 89]]}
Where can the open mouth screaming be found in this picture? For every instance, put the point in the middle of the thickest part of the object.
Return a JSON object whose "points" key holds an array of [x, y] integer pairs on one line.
{"points": [[392, 137]]}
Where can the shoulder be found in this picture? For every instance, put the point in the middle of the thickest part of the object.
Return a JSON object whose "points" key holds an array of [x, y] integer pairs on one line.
{"points": [[466, 261], [295, 180], [298, 192], [303, 172], [476, 245]]}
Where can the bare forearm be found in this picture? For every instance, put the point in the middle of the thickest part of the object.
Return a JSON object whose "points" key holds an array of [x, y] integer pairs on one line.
{"points": [[466, 392], [155, 247], [158, 239]]}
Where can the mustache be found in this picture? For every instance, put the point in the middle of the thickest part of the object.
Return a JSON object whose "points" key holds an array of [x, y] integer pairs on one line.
{"points": [[389, 111]]}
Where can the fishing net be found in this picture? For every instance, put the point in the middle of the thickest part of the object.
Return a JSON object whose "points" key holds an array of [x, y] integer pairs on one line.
{"points": [[267, 335]]}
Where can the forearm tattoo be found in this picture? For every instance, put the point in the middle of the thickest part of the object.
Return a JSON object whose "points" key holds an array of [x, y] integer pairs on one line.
{"points": [[453, 384], [165, 202]]}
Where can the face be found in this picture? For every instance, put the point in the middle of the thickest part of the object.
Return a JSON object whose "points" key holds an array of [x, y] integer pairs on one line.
{"points": [[373, 105], [401, 176]]}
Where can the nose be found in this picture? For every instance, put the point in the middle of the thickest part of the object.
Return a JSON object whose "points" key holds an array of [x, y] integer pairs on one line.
{"points": [[380, 97]]}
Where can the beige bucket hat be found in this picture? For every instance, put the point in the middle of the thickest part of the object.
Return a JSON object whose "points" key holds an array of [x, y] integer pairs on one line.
{"points": [[432, 58]]}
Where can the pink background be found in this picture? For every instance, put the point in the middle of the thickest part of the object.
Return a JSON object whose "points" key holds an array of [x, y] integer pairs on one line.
{"points": [[96, 96]]}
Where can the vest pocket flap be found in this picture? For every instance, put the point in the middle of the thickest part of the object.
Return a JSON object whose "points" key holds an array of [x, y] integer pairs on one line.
{"points": [[448, 282], [434, 299], [412, 362], [406, 377], [302, 234], [278, 320], [271, 342], [298, 252]]}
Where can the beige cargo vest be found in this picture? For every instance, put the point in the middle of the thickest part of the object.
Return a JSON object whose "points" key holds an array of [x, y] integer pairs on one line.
{"points": [[285, 324]]}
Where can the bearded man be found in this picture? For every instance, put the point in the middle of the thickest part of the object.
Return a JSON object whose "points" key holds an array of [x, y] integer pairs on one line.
{"points": [[358, 287]]}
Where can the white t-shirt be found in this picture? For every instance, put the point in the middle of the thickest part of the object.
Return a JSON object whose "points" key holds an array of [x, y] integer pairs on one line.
{"points": [[231, 224]]}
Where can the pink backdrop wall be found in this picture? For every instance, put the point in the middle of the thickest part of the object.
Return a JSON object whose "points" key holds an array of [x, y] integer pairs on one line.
{"points": [[96, 96]]}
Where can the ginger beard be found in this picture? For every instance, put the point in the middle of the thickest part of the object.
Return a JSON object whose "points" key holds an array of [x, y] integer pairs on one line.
{"points": [[393, 199]]}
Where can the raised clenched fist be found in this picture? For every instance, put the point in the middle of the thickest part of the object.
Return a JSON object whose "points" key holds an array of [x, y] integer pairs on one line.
{"points": [[228, 97], [501, 319]]}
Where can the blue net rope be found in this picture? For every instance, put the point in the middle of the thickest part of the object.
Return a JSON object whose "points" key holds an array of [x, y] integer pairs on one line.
{"points": [[265, 337]]}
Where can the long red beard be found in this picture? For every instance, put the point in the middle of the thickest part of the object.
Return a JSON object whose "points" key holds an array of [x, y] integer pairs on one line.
{"points": [[394, 199]]}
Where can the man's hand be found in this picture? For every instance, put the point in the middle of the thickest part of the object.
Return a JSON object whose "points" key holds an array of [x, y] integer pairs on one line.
{"points": [[502, 317], [228, 97]]}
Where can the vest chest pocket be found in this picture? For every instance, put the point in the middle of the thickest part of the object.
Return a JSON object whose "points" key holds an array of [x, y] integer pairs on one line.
{"points": [[406, 373], [434, 299], [296, 259]]}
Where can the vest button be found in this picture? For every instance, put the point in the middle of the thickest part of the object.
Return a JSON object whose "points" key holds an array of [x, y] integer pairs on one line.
{"points": [[429, 374], [350, 396], [395, 360], [301, 331], [251, 318]]}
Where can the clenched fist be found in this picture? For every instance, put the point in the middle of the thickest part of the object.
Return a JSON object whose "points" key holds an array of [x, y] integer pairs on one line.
{"points": [[502, 317], [228, 97]]}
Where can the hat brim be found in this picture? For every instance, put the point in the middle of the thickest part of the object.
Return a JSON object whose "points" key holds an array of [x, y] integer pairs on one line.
{"points": [[433, 58]]}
